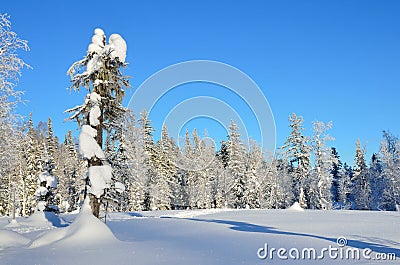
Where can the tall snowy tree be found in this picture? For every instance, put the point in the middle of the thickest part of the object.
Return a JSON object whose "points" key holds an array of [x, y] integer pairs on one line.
{"points": [[254, 174], [133, 163], [71, 175], [100, 73], [337, 174], [361, 190], [321, 182], [277, 184], [150, 161], [378, 182], [297, 151], [345, 187], [11, 141], [33, 168], [236, 167], [390, 156]]}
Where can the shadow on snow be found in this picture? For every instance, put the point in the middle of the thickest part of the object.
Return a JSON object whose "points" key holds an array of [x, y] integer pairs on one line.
{"points": [[253, 228]]}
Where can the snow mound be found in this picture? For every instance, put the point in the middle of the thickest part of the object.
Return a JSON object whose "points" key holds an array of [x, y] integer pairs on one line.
{"points": [[296, 207], [13, 223], [40, 219], [12, 239], [85, 230]]}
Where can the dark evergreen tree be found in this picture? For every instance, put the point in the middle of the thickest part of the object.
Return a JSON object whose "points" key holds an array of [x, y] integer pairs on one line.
{"points": [[337, 174]]}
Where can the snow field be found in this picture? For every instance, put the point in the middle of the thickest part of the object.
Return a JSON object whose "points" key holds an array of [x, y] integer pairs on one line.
{"points": [[204, 237]]}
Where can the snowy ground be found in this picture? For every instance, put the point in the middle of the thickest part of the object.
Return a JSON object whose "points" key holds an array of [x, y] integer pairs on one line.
{"points": [[201, 237]]}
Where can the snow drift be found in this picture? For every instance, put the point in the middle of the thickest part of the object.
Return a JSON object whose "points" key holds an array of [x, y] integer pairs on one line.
{"points": [[85, 230], [296, 207], [12, 239]]}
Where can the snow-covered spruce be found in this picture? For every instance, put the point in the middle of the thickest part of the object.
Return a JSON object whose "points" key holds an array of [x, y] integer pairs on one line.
{"points": [[99, 72]]}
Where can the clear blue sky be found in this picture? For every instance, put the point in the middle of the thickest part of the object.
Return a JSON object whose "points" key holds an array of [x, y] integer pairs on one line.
{"points": [[333, 61]]}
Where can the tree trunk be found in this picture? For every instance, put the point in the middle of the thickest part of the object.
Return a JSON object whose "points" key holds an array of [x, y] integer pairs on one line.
{"points": [[94, 201], [95, 205]]}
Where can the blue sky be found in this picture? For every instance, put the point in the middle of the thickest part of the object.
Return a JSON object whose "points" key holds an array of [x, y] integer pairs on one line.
{"points": [[333, 61]]}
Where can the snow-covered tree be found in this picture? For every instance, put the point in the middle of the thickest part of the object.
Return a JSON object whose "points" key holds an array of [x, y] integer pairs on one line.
{"points": [[149, 162], [236, 167], [254, 174], [133, 166], [390, 157], [71, 175], [345, 187], [11, 140], [361, 189], [32, 157], [297, 151], [321, 182], [277, 184], [100, 73], [10, 65]]}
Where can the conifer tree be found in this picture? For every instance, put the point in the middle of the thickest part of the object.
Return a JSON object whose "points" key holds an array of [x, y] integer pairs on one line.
{"points": [[321, 182], [337, 174], [100, 73], [390, 156], [345, 187], [236, 167], [254, 174], [297, 151], [361, 189]]}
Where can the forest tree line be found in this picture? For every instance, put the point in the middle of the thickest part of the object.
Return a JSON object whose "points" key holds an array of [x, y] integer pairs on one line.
{"points": [[160, 175]]}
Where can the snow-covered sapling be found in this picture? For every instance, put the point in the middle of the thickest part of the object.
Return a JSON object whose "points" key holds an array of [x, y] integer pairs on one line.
{"points": [[47, 184]]}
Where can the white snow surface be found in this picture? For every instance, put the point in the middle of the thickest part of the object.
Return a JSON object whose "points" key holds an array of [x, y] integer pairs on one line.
{"points": [[100, 179], [12, 239], [204, 237], [88, 146], [39, 219]]}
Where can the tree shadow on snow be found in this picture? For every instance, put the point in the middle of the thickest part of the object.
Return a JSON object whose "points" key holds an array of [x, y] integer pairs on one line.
{"points": [[378, 247], [54, 219]]}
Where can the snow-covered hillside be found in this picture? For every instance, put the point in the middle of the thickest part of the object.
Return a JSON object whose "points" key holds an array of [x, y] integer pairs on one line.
{"points": [[204, 237]]}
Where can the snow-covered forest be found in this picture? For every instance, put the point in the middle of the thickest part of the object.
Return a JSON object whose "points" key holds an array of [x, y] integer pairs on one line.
{"points": [[117, 162]]}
